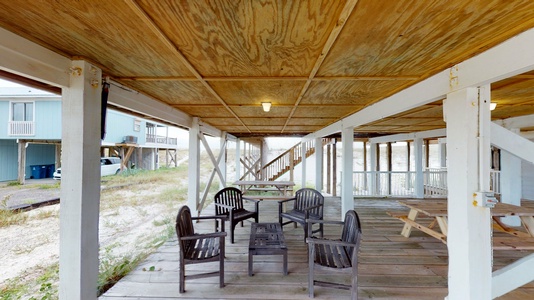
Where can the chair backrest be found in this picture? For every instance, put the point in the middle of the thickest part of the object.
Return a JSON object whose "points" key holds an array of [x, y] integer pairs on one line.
{"points": [[228, 196], [184, 227], [307, 197], [351, 230]]}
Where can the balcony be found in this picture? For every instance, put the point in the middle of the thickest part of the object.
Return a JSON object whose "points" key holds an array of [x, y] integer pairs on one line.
{"points": [[161, 140], [21, 128]]}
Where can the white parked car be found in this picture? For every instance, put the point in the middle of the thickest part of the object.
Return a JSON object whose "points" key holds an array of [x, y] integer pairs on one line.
{"points": [[108, 166]]}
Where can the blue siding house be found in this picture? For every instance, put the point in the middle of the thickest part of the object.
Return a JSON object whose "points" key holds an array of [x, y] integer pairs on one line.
{"points": [[30, 122]]}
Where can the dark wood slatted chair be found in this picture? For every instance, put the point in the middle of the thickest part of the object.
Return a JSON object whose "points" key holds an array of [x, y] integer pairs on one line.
{"points": [[199, 248], [229, 204], [340, 255], [307, 204]]}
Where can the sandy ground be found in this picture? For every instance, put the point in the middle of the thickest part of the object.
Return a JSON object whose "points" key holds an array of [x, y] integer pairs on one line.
{"points": [[122, 230]]}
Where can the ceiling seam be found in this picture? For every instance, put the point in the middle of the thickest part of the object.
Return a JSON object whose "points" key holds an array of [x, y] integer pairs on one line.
{"points": [[165, 39], [342, 20]]}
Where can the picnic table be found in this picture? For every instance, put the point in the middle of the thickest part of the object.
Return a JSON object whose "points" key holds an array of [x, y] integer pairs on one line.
{"points": [[282, 189], [437, 210]]}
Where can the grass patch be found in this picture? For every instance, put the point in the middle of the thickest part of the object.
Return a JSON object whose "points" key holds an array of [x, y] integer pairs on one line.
{"points": [[112, 269], [14, 183], [49, 186], [12, 289], [9, 218]]}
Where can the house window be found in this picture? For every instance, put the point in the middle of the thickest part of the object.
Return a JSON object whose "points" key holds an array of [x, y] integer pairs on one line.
{"points": [[137, 125], [22, 111], [21, 121]]}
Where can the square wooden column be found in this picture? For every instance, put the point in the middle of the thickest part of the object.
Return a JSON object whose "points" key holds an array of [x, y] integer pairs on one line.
{"points": [[319, 164], [80, 183], [469, 235], [347, 181], [194, 166]]}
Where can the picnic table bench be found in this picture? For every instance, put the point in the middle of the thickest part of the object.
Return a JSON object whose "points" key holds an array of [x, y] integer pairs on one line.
{"points": [[437, 211], [283, 188]]}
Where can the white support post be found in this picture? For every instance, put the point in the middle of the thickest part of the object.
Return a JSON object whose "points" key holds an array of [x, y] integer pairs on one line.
{"points": [[237, 159], [22, 144], [373, 159], [194, 166], [303, 163], [419, 175], [511, 186], [468, 240], [442, 152], [222, 162], [347, 195], [319, 164], [80, 192]]}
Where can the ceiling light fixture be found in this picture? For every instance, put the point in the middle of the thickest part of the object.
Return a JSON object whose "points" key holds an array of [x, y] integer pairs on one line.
{"points": [[493, 105], [266, 106]]}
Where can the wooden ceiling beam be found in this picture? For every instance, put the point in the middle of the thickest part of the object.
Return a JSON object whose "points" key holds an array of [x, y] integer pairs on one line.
{"points": [[147, 20], [282, 78], [345, 13]]}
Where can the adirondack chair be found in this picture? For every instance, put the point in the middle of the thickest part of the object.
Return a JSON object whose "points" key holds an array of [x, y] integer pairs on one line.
{"points": [[307, 204], [199, 248], [340, 255], [229, 204]]}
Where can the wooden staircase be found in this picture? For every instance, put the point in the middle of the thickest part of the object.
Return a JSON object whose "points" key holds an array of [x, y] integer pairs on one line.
{"points": [[286, 161]]}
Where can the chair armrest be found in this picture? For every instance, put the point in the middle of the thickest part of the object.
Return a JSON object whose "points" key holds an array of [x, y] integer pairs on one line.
{"points": [[208, 217], [313, 207], [225, 206], [253, 200], [203, 236], [329, 242], [286, 200], [216, 218], [328, 222]]}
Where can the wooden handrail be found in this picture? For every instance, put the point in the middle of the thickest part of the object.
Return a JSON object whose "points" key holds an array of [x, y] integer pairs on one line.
{"points": [[287, 160]]}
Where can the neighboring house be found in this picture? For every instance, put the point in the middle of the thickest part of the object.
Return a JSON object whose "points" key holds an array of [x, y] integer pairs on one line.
{"points": [[30, 127]]}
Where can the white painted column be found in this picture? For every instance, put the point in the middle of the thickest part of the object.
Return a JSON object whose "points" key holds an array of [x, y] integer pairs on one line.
{"points": [[237, 159], [319, 164], [419, 175], [468, 240], [22, 144], [373, 161], [347, 195], [194, 166], [511, 186], [303, 163], [222, 162], [80, 185], [442, 142]]}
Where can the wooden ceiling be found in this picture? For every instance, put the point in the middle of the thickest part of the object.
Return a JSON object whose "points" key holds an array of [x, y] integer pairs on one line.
{"points": [[315, 61]]}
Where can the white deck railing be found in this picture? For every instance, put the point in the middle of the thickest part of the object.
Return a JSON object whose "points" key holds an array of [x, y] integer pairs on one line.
{"points": [[22, 128], [402, 184], [163, 140]]}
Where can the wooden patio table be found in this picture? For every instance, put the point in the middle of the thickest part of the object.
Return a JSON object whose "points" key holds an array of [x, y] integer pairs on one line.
{"points": [[437, 209], [284, 189], [266, 239]]}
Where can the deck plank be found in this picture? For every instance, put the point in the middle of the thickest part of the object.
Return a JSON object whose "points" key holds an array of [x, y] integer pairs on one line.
{"points": [[391, 266]]}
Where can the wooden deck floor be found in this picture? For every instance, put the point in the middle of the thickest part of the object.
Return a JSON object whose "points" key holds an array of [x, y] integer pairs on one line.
{"points": [[391, 266]]}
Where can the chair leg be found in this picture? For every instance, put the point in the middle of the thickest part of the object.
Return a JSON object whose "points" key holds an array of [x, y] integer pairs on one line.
{"points": [[354, 281], [182, 278], [221, 265], [310, 272]]}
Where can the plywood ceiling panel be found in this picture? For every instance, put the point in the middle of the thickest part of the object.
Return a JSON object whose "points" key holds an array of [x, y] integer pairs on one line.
{"points": [[317, 61], [247, 38]]}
